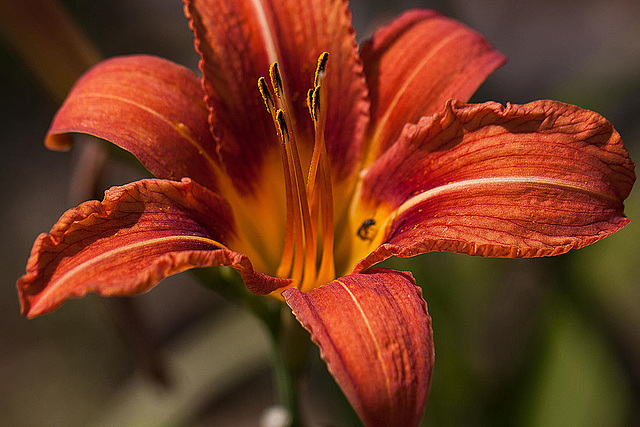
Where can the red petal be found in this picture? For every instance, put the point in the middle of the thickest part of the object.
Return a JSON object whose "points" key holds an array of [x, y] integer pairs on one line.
{"points": [[375, 335], [238, 40], [305, 29], [148, 106], [414, 65], [139, 234], [516, 181]]}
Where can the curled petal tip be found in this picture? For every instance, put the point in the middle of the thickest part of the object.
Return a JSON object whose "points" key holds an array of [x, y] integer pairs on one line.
{"points": [[124, 245]]}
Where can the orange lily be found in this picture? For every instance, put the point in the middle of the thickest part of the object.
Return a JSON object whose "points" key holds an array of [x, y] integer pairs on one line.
{"points": [[359, 156]]}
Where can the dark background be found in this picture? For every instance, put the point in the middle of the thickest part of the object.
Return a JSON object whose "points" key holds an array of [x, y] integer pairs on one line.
{"points": [[518, 342]]}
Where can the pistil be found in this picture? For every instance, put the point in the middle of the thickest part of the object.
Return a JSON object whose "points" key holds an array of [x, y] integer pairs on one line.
{"points": [[309, 205]]}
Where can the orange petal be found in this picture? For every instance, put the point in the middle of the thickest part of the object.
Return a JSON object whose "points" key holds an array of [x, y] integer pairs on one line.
{"points": [[516, 181], [139, 234], [415, 64], [375, 335], [148, 106], [238, 40]]}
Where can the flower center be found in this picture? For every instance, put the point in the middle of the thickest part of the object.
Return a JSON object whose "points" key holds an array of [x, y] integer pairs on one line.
{"points": [[307, 256]]}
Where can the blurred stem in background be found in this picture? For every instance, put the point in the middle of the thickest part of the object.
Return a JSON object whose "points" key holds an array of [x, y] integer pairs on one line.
{"points": [[57, 52], [48, 40]]}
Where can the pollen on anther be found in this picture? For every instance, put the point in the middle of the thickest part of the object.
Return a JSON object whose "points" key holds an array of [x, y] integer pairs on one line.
{"points": [[276, 80], [266, 95], [310, 103], [281, 123], [315, 102], [320, 69]]}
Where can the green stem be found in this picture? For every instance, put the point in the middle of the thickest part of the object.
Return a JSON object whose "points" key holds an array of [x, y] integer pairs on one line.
{"points": [[289, 340], [286, 383], [290, 347]]}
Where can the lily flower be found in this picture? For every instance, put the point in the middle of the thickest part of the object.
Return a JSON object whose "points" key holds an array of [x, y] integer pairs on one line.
{"points": [[302, 161]]}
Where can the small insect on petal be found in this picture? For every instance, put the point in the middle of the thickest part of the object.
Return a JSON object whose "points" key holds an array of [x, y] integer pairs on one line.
{"points": [[366, 232]]}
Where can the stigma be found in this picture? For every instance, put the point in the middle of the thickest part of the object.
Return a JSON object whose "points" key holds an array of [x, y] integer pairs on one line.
{"points": [[307, 255]]}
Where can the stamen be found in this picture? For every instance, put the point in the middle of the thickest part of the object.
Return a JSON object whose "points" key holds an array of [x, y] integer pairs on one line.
{"points": [[266, 95], [320, 68], [281, 125], [304, 246], [315, 102], [276, 80], [327, 271], [319, 183], [310, 104], [309, 232], [291, 261], [319, 116], [286, 259], [309, 205]]}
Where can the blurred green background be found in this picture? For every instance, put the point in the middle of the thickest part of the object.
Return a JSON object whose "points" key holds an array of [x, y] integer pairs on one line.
{"points": [[544, 342]]}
